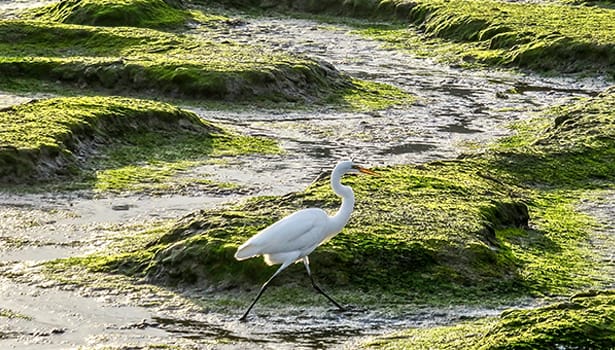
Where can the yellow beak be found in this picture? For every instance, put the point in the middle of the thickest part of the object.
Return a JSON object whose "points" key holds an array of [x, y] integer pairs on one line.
{"points": [[367, 171]]}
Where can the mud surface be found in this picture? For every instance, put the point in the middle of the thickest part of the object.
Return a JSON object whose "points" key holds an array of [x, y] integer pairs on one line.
{"points": [[603, 209], [457, 108]]}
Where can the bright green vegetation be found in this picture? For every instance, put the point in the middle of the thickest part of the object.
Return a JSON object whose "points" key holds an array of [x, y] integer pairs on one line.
{"points": [[577, 138], [11, 314], [382, 233], [575, 151], [483, 228], [121, 143], [132, 13], [586, 321], [365, 95], [154, 161], [145, 60], [543, 37]]}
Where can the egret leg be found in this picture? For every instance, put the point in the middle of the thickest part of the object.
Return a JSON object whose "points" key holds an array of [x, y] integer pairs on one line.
{"points": [[265, 285], [306, 262]]}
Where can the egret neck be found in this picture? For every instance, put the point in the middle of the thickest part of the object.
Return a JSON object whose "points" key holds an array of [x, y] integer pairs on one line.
{"points": [[343, 214]]}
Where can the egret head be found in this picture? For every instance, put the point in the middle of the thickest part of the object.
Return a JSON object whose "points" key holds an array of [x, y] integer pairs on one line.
{"points": [[349, 166]]}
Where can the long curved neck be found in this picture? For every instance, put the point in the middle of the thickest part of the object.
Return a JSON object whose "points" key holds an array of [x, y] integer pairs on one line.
{"points": [[343, 214]]}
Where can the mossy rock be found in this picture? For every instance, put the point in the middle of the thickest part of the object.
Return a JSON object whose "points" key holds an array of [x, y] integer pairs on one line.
{"points": [[575, 149], [543, 37], [114, 144], [483, 226], [46, 138], [551, 37], [145, 61], [137, 59], [586, 321], [132, 13], [570, 148], [432, 240]]}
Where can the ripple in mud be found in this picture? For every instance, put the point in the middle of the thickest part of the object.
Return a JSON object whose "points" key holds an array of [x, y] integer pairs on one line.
{"points": [[455, 107], [310, 328]]}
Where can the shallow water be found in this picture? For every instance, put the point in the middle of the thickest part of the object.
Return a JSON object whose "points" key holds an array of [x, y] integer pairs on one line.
{"points": [[456, 108]]}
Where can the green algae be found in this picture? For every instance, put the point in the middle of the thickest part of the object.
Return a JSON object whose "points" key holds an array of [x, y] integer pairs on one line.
{"points": [[577, 137], [141, 61], [433, 246], [549, 37], [153, 161], [542, 37], [484, 228], [370, 96], [6, 313], [131, 13], [144, 60], [138, 143], [583, 322], [560, 157]]}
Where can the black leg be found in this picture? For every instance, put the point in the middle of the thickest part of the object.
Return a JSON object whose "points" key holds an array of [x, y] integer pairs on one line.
{"points": [[265, 285], [306, 262]]}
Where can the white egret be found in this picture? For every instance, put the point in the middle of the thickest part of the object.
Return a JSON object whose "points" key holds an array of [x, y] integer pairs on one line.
{"points": [[294, 237]]}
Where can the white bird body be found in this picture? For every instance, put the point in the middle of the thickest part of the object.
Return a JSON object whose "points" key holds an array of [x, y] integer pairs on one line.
{"points": [[294, 237], [290, 238]]}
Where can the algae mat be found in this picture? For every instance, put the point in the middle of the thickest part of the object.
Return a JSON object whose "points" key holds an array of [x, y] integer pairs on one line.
{"points": [[550, 37], [111, 143], [196, 305], [483, 229]]}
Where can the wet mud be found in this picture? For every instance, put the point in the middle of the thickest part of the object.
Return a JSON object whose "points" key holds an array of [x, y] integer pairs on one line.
{"points": [[456, 109], [603, 240]]}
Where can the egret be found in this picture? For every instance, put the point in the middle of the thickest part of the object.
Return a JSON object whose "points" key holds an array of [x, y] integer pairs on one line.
{"points": [[294, 237]]}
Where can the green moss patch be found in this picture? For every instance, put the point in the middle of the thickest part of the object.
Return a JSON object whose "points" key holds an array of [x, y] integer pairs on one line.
{"points": [[413, 260], [11, 314], [569, 150], [132, 13], [577, 138], [370, 96], [586, 321], [485, 227], [543, 37], [119, 141], [144, 60]]}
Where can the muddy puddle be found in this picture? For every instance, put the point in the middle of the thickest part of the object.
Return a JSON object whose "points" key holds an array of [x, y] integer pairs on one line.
{"points": [[456, 109]]}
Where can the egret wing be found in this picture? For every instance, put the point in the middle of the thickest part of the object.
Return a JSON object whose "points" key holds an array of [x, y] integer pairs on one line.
{"points": [[295, 232]]}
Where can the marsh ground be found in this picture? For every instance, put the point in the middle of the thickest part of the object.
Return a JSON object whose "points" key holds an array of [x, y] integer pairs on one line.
{"points": [[457, 110]]}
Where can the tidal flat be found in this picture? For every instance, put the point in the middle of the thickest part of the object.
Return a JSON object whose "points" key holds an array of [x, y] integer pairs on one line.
{"points": [[142, 141]]}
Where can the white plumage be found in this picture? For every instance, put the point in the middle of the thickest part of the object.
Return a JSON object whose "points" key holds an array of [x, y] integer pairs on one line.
{"points": [[294, 237]]}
